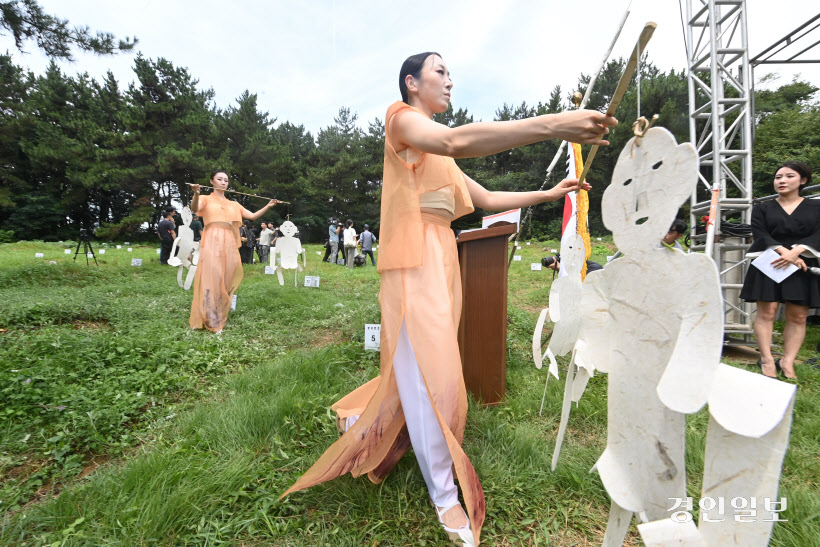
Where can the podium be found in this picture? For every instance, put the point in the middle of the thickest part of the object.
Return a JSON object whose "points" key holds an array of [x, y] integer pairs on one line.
{"points": [[482, 332]]}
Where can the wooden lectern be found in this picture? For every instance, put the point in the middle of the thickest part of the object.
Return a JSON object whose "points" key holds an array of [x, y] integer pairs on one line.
{"points": [[482, 333]]}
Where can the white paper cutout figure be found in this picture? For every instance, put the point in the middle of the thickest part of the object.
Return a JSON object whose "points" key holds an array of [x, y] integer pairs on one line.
{"points": [[652, 320], [564, 301], [288, 248], [564, 311], [188, 255]]}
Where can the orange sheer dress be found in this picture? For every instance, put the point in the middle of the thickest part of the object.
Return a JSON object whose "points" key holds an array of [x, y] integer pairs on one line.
{"points": [[219, 271], [420, 283]]}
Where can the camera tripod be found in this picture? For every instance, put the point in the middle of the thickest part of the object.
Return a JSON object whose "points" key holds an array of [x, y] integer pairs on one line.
{"points": [[86, 243]]}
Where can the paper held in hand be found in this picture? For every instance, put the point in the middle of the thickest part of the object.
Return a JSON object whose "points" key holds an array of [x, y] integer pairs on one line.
{"points": [[764, 264]]}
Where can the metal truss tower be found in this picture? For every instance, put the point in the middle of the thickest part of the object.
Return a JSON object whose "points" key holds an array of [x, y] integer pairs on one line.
{"points": [[720, 126]]}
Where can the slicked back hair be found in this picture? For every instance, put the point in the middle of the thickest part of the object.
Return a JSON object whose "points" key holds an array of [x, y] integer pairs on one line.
{"points": [[412, 66]]}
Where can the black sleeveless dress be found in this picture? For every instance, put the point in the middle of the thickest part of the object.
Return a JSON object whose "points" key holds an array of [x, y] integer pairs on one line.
{"points": [[771, 225]]}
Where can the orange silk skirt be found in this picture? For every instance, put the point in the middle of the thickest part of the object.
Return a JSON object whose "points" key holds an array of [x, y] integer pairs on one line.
{"points": [[428, 298], [217, 277]]}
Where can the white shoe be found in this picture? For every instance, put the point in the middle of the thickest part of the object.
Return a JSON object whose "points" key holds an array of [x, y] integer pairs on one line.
{"points": [[463, 534]]}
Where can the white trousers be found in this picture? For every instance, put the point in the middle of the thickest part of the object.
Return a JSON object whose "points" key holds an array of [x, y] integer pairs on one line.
{"points": [[426, 437]]}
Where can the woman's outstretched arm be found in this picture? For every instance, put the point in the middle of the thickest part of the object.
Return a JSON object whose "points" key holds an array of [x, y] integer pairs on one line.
{"points": [[501, 201], [413, 129], [254, 216]]}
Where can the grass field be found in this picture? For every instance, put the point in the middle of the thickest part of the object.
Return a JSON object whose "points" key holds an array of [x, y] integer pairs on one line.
{"points": [[121, 426]]}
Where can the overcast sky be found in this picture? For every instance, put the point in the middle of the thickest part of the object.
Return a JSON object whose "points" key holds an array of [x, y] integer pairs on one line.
{"points": [[305, 59]]}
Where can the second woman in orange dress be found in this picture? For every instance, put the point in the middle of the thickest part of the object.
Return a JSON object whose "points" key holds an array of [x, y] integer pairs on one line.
{"points": [[219, 271]]}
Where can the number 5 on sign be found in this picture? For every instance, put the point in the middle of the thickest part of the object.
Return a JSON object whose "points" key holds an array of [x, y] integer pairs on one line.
{"points": [[372, 337]]}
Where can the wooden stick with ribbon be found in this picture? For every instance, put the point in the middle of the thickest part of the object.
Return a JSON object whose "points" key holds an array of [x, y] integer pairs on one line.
{"points": [[240, 193], [620, 90], [554, 162]]}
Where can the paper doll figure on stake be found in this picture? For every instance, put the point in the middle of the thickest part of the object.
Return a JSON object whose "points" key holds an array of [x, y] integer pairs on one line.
{"points": [[565, 312], [187, 255], [288, 248], [652, 320], [564, 301], [564, 305]]}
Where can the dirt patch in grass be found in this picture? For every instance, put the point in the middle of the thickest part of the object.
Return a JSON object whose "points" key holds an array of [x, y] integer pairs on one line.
{"points": [[324, 337], [93, 464], [91, 325], [535, 310], [20, 472]]}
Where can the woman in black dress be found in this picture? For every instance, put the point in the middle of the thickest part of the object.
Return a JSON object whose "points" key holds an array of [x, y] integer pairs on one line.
{"points": [[790, 225]]}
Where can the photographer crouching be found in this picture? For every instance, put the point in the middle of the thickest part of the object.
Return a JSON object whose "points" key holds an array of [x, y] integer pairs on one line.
{"points": [[554, 263]]}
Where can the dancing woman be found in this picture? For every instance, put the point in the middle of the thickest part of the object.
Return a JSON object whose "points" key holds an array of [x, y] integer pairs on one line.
{"points": [[789, 224], [420, 398], [219, 271]]}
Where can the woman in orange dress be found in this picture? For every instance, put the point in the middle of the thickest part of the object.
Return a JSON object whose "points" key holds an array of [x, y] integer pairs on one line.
{"points": [[219, 271], [419, 399]]}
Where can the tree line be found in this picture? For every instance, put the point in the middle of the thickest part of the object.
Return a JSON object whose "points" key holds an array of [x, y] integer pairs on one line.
{"points": [[77, 153]]}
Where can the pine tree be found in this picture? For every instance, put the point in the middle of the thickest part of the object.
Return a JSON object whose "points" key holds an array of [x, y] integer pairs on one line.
{"points": [[26, 20], [170, 127]]}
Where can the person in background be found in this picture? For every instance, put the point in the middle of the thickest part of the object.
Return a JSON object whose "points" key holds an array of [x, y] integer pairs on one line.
{"points": [[789, 225], [340, 228], [264, 243], [350, 244], [676, 231], [196, 226], [333, 240], [326, 258], [257, 230], [555, 265], [367, 239], [166, 231], [248, 243]]}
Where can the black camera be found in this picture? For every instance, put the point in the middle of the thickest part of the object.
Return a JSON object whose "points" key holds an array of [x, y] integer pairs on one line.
{"points": [[548, 261], [84, 235]]}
